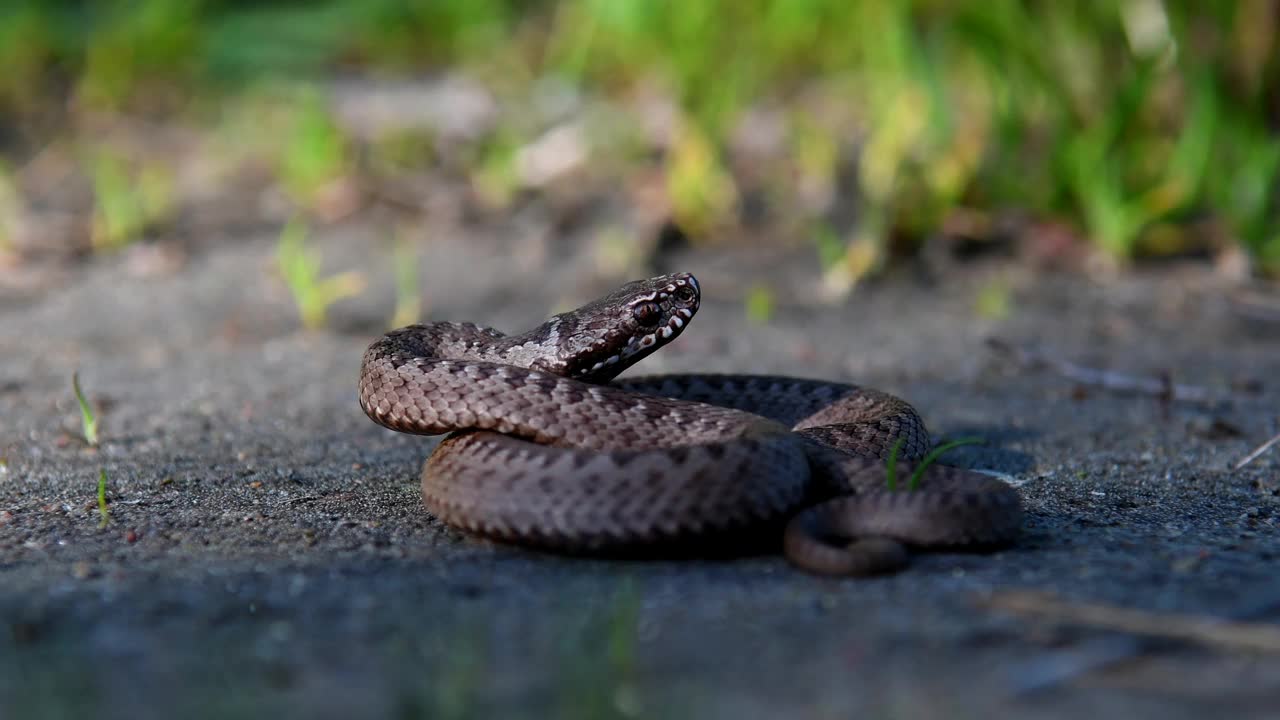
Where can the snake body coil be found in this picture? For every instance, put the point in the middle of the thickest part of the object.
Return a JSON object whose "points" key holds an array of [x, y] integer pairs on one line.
{"points": [[547, 451]]}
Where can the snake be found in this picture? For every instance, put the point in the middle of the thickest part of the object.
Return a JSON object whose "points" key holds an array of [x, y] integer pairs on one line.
{"points": [[548, 449]]}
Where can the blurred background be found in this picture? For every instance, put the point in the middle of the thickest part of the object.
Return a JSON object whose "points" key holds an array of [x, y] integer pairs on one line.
{"points": [[1096, 136]]}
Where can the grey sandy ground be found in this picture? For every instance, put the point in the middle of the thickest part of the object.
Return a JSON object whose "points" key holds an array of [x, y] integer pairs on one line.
{"points": [[267, 553]]}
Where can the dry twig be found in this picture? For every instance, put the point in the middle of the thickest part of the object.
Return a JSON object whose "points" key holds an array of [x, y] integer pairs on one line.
{"points": [[1204, 630], [1257, 452], [1162, 386]]}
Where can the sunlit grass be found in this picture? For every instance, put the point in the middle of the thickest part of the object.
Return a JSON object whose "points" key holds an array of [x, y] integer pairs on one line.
{"points": [[27, 47], [494, 175], [10, 210], [104, 514], [314, 151], [1119, 118], [312, 293], [408, 294], [138, 46], [88, 419], [994, 300], [760, 304], [128, 201], [830, 248], [89, 429], [702, 193]]}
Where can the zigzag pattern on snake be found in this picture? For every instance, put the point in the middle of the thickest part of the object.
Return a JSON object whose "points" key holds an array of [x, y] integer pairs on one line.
{"points": [[548, 450]]}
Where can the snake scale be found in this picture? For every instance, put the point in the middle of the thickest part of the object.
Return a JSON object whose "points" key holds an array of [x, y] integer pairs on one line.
{"points": [[547, 450]]}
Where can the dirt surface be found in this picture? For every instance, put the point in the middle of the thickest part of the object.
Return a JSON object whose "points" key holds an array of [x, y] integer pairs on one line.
{"points": [[267, 553]]}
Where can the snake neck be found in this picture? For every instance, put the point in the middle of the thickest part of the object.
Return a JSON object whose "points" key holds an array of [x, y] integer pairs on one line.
{"points": [[467, 342], [592, 350]]}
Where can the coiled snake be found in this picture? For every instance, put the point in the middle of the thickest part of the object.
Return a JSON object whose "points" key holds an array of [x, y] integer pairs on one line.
{"points": [[547, 452]]}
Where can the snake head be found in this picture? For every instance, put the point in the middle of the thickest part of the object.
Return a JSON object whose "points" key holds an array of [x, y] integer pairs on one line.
{"points": [[601, 339]]}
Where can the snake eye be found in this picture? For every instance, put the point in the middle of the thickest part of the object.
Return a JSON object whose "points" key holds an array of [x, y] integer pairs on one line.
{"points": [[684, 293], [647, 313]]}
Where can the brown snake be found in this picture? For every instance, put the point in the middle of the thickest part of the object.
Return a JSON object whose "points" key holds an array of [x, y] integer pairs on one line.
{"points": [[547, 452]]}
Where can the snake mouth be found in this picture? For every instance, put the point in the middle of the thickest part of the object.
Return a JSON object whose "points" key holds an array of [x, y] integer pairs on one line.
{"points": [[670, 329], [611, 360], [631, 323], [644, 344]]}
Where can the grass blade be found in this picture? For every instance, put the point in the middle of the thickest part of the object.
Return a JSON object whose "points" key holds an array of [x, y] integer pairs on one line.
{"points": [[937, 452], [408, 304], [88, 420], [102, 499], [891, 467]]}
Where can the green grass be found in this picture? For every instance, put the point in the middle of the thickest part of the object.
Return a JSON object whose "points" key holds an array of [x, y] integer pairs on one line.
{"points": [[312, 293], [313, 151], [994, 301], [597, 676], [408, 293], [89, 429], [760, 304], [1147, 125], [913, 483], [127, 201], [891, 465], [88, 419], [103, 513], [9, 210]]}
